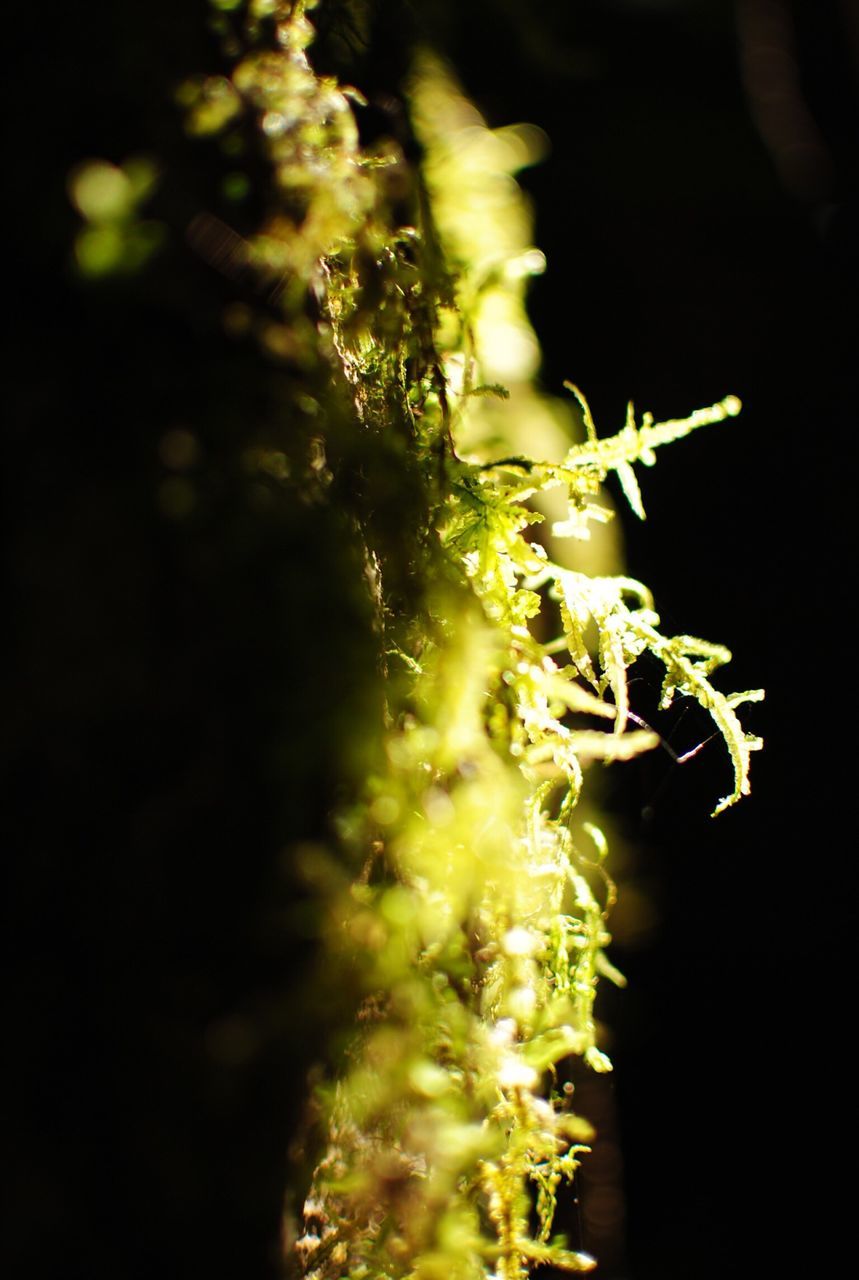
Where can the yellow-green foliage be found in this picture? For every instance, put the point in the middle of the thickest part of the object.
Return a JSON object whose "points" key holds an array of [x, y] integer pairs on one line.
{"points": [[113, 239], [477, 921]]}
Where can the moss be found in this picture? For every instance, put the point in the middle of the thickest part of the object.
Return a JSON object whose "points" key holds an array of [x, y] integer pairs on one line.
{"points": [[469, 900]]}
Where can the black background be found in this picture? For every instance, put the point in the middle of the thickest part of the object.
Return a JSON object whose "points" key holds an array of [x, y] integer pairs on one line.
{"points": [[684, 264]]}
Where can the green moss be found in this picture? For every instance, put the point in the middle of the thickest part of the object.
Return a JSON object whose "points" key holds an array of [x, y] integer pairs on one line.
{"points": [[476, 922]]}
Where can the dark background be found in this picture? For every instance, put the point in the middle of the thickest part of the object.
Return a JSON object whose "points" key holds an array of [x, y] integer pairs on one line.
{"points": [[694, 250]]}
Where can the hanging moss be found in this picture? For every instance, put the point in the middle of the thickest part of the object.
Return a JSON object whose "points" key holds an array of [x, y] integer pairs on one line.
{"points": [[463, 894]]}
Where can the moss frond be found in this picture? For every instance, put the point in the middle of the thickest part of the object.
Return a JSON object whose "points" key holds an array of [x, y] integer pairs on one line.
{"points": [[477, 928]]}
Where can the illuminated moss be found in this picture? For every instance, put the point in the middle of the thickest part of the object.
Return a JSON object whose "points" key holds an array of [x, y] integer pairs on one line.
{"points": [[475, 924]]}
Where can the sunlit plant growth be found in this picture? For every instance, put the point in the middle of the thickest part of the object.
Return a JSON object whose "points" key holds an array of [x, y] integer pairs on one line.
{"points": [[471, 910]]}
